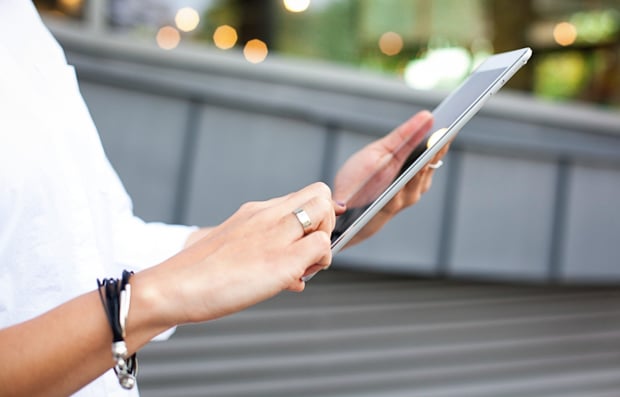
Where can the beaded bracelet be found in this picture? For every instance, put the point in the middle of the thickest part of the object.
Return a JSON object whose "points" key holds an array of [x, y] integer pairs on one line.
{"points": [[116, 304]]}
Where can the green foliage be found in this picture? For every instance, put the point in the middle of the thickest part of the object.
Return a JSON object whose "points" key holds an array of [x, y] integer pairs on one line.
{"points": [[560, 75], [327, 33]]}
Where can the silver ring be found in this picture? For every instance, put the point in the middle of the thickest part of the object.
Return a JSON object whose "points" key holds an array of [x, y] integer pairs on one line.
{"points": [[436, 165], [303, 218]]}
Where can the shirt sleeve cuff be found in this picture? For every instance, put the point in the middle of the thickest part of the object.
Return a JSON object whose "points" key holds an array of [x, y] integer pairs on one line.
{"points": [[141, 245]]}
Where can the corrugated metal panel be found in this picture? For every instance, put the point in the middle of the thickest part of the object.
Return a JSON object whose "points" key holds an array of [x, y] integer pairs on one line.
{"points": [[367, 335]]}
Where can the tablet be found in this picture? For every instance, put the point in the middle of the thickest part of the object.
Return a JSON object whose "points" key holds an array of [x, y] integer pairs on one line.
{"points": [[449, 117]]}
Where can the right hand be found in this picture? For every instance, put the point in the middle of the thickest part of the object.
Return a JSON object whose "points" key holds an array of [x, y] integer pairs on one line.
{"points": [[256, 253]]}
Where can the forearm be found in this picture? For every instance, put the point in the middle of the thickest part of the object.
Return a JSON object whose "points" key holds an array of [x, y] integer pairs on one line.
{"points": [[67, 347], [74, 337]]}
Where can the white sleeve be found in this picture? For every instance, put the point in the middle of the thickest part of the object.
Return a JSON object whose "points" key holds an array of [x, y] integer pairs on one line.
{"points": [[138, 244]]}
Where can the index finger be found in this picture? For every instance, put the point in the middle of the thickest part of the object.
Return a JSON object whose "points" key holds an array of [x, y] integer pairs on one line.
{"points": [[408, 135]]}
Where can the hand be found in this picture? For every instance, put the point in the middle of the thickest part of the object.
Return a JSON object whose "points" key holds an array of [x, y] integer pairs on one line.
{"points": [[259, 251], [373, 168]]}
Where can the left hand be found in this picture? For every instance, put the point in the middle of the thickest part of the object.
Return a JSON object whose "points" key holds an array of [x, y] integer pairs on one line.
{"points": [[377, 164]]}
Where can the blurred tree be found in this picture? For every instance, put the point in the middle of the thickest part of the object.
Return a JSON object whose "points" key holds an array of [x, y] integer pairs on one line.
{"points": [[510, 22], [330, 32], [252, 19], [255, 20]]}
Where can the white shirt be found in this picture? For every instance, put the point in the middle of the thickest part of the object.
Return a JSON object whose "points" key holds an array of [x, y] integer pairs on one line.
{"points": [[65, 218]]}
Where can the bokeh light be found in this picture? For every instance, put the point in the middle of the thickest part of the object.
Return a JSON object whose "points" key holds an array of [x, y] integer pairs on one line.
{"points": [[225, 37], [296, 5], [72, 6], [439, 68], [565, 33], [187, 19], [168, 38], [390, 43], [255, 51], [413, 40]]}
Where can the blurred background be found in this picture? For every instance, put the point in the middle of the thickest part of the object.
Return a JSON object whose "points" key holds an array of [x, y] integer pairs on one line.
{"points": [[502, 281], [427, 43]]}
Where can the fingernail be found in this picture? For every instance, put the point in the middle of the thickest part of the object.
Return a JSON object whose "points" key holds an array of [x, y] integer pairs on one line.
{"points": [[341, 204]]}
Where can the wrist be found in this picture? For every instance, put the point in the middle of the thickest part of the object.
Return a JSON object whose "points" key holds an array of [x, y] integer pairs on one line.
{"points": [[147, 317]]}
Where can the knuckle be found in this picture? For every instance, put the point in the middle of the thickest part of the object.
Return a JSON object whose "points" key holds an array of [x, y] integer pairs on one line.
{"points": [[249, 206], [325, 204], [323, 240], [394, 206], [427, 185], [252, 209], [415, 197], [322, 189], [325, 211], [321, 205]]}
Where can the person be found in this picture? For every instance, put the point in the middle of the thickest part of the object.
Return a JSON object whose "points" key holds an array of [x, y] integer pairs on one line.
{"points": [[66, 221]]}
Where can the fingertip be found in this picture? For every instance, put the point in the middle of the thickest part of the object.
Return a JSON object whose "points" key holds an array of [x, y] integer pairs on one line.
{"points": [[298, 286], [420, 124], [340, 207], [425, 113]]}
